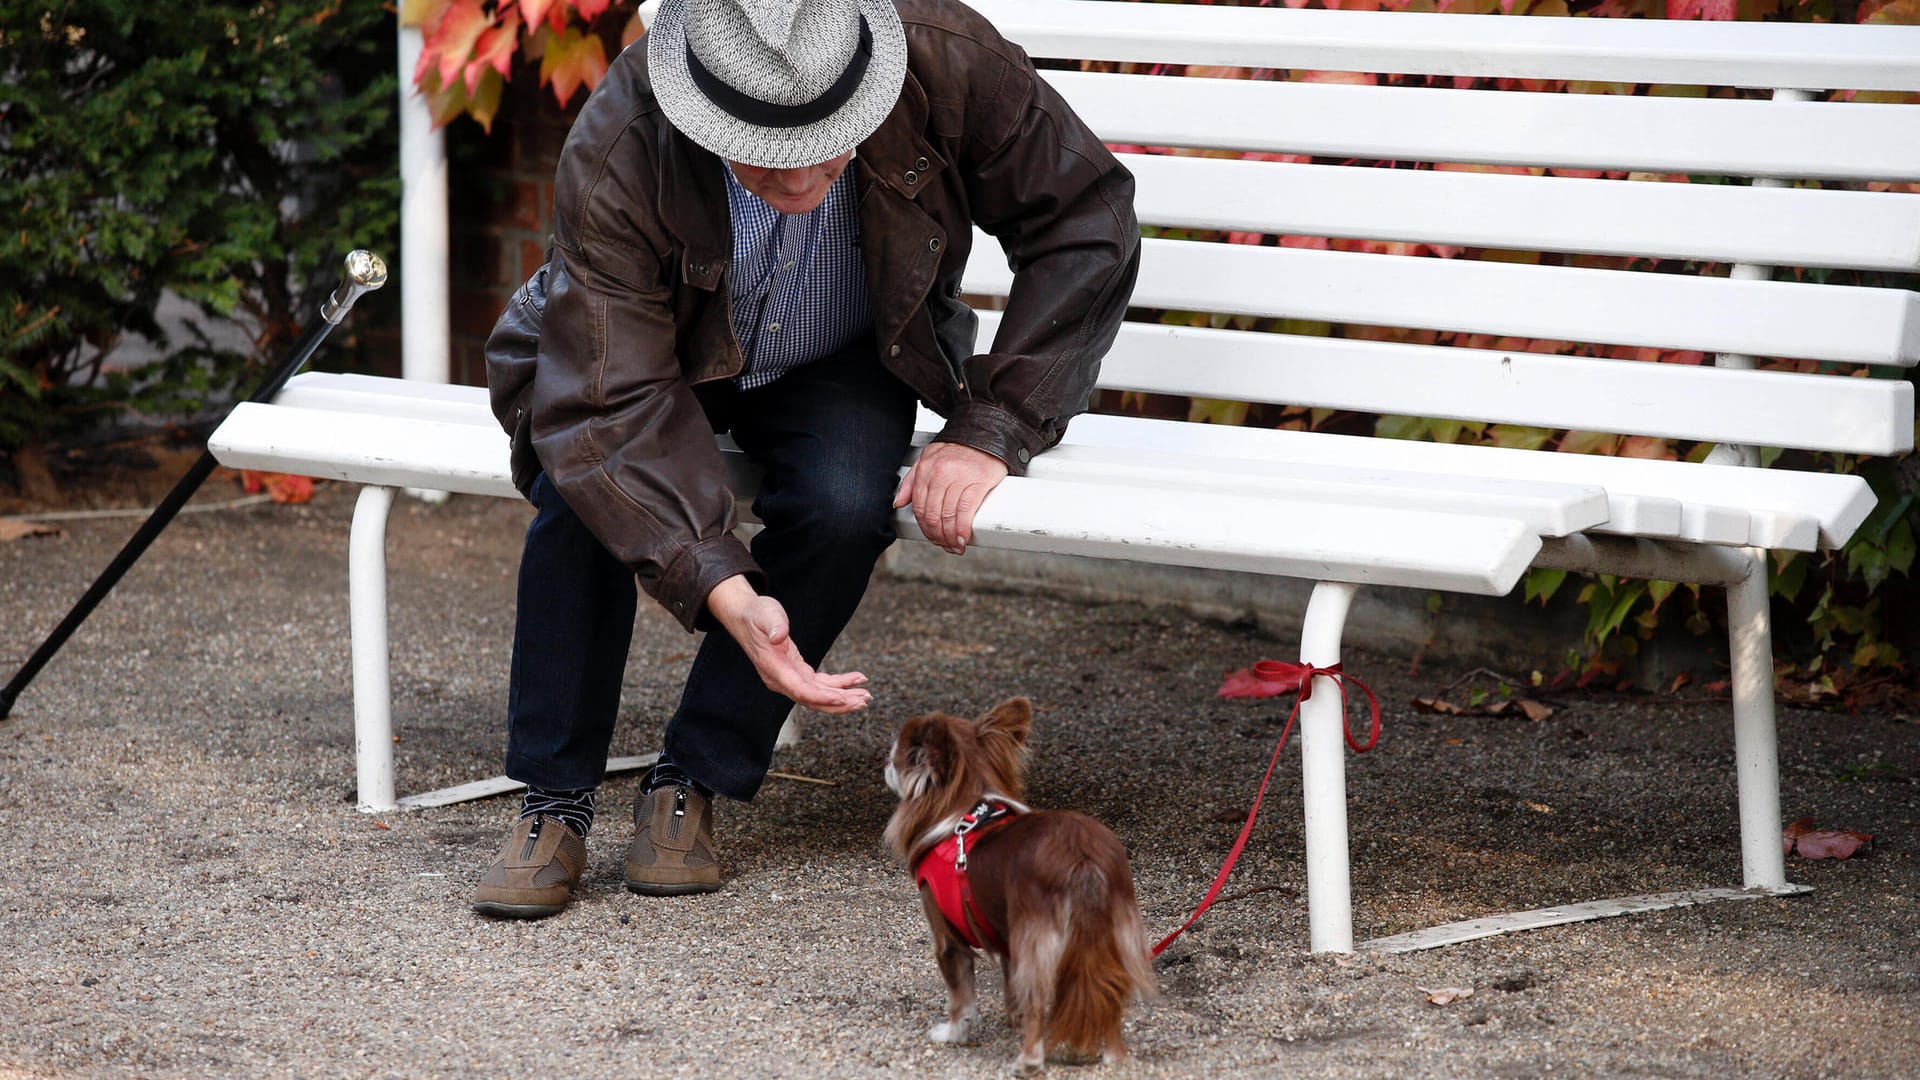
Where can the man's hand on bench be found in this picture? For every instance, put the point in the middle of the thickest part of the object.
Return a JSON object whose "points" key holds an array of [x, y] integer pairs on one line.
{"points": [[946, 487], [759, 624]]}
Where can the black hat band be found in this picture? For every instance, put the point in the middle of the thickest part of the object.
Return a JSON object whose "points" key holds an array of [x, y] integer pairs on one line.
{"points": [[767, 113]]}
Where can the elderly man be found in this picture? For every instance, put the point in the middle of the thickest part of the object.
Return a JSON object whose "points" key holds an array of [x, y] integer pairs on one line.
{"points": [[760, 221]]}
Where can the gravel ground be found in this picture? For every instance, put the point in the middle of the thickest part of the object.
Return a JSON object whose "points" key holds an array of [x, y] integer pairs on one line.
{"points": [[190, 891]]}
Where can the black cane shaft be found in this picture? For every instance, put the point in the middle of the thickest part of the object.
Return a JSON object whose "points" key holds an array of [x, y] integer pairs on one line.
{"points": [[371, 276], [102, 585]]}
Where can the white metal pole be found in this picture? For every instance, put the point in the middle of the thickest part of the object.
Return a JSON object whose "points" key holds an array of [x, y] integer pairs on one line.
{"points": [[425, 323], [1323, 775]]}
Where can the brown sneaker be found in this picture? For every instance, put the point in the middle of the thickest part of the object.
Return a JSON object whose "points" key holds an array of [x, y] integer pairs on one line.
{"points": [[535, 873], [672, 849]]}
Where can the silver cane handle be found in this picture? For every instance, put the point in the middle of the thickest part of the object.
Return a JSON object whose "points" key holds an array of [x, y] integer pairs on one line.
{"points": [[365, 272]]}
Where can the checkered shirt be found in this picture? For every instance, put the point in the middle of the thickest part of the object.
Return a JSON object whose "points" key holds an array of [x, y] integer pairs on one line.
{"points": [[799, 286]]}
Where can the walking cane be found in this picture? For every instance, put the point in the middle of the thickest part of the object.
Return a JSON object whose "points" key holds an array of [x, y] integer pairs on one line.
{"points": [[365, 272]]}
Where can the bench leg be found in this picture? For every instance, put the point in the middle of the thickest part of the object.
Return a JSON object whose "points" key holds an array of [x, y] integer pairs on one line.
{"points": [[1323, 775], [1755, 745], [367, 601]]}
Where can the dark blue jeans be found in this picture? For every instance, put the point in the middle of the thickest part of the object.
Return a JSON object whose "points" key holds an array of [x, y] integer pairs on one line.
{"points": [[829, 438]]}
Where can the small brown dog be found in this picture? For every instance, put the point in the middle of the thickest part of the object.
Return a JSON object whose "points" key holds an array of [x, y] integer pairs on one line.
{"points": [[1049, 891]]}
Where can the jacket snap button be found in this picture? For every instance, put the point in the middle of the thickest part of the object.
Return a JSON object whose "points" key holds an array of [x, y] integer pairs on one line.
{"points": [[933, 244], [893, 351], [921, 163], [912, 177], [1023, 455]]}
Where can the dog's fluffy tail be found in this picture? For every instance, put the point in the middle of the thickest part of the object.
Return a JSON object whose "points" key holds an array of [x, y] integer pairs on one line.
{"points": [[1104, 965]]}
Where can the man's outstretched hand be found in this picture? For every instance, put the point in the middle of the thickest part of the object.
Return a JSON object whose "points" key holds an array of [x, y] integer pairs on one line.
{"points": [[946, 486], [759, 624]]}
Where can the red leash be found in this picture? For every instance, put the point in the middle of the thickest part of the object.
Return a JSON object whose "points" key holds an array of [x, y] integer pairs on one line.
{"points": [[1279, 671]]}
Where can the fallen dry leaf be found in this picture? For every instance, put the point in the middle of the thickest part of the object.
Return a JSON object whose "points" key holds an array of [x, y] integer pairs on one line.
{"points": [[1679, 681], [1446, 995], [281, 487], [1801, 838], [1534, 710], [20, 530]]}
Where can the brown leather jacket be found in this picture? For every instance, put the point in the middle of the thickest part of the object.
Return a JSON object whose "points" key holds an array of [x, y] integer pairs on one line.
{"points": [[598, 388]]}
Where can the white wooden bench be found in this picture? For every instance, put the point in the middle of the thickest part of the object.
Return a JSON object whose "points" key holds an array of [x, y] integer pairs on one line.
{"points": [[1346, 511]]}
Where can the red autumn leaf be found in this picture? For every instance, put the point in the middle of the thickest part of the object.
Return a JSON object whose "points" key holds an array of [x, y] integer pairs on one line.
{"points": [[535, 10], [590, 9], [1721, 10], [280, 487], [1245, 684], [572, 60], [495, 49], [452, 37]]}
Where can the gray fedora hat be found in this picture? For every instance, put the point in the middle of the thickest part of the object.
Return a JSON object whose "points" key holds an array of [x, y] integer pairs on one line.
{"points": [[781, 84]]}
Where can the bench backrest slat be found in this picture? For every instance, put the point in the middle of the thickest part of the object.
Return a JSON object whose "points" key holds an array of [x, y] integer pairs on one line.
{"points": [[1794, 140], [1605, 50], [1718, 222], [1672, 311], [1771, 408]]}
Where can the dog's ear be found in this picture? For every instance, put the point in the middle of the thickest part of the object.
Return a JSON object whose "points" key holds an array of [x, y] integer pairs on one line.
{"points": [[1012, 718], [927, 753]]}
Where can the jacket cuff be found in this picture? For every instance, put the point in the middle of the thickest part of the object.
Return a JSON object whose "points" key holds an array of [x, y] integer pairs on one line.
{"points": [[995, 431], [683, 588]]}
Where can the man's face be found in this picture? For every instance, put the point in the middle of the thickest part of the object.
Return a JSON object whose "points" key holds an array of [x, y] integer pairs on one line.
{"points": [[792, 191]]}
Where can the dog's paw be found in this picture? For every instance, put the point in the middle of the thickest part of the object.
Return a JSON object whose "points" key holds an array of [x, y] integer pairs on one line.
{"points": [[1027, 1066], [953, 1032]]}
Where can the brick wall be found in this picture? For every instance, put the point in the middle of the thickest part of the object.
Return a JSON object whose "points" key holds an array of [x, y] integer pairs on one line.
{"points": [[499, 205]]}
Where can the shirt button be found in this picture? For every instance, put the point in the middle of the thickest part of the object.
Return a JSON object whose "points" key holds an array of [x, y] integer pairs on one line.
{"points": [[933, 244], [773, 328], [912, 177], [894, 351], [921, 163]]}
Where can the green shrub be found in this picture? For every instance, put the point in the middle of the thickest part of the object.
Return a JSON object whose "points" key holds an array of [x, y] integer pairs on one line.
{"points": [[229, 153]]}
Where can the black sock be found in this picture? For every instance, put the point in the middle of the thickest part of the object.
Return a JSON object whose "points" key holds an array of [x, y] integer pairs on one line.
{"points": [[573, 807], [665, 774]]}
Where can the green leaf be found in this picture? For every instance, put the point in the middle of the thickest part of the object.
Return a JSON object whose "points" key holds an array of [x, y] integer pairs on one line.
{"points": [[1541, 584], [1217, 411]]}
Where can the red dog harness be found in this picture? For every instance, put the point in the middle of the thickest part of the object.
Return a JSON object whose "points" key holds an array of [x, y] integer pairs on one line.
{"points": [[943, 871]]}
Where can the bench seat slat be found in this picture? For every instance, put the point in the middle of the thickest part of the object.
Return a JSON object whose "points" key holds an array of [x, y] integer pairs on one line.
{"points": [[1549, 509], [1361, 544], [366, 449], [1759, 408], [1836, 504], [1717, 222], [362, 394], [1811, 140], [1767, 318], [1604, 50]]}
